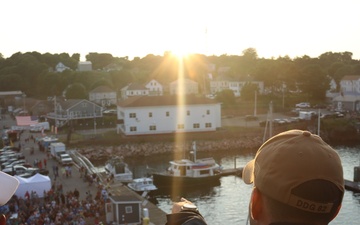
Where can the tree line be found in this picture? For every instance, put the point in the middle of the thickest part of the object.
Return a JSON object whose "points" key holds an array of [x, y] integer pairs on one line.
{"points": [[33, 72]]}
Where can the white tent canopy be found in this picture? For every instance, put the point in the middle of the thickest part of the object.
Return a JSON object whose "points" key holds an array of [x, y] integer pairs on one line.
{"points": [[38, 183]]}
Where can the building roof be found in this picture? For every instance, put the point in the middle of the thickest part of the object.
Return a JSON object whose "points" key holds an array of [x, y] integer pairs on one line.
{"points": [[85, 63], [72, 102], [102, 89], [125, 199], [168, 100], [347, 98], [135, 86], [5, 93], [351, 77], [186, 80]]}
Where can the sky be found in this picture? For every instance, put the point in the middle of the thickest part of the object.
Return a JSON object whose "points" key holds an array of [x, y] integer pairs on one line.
{"points": [[136, 28]]}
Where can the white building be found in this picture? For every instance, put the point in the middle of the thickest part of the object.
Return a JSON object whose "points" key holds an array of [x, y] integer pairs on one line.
{"points": [[103, 95], [155, 88], [163, 114], [349, 98], [185, 86], [350, 85], [222, 83], [134, 89], [85, 66]]}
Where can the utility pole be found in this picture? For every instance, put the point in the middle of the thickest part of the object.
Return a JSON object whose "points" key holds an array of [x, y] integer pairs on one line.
{"points": [[55, 128], [94, 121]]}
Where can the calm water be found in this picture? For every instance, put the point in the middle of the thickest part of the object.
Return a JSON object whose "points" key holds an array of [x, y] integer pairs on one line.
{"points": [[227, 203]]}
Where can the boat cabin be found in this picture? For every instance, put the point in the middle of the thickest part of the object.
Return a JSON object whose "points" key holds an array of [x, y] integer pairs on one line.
{"points": [[200, 168]]}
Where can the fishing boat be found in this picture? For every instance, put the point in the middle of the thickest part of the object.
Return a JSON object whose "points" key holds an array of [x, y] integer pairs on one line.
{"points": [[142, 184], [118, 170], [185, 173]]}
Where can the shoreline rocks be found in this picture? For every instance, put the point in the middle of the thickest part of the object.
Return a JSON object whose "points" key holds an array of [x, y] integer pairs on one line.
{"points": [[153, 148]]}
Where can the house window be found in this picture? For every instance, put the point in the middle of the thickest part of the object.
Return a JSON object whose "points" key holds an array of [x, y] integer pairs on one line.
{"points": [[128, 209], [84, 104], [150, 114], [208, 112], [132, 115], [188, 112], [207, 125], [152, 127], [167, 114], [196, 125], [132, 129], [180, 126]]}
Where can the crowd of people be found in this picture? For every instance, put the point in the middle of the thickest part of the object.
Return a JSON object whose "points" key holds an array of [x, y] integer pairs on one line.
{"points": [[56, 208]]}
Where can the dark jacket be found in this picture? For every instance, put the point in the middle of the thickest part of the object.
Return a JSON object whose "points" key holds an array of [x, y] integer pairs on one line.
{"points": [[185, 217]]}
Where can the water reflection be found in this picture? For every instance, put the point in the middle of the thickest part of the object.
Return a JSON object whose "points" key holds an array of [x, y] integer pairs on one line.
{"points": [[228, 202]]}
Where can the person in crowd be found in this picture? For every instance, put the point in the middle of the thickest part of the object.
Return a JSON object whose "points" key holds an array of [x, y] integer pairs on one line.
{"points": [[297, 179]]}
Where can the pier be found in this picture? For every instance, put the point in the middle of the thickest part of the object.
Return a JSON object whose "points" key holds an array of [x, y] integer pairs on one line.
{"points": [[232, 172], [352, 186]]}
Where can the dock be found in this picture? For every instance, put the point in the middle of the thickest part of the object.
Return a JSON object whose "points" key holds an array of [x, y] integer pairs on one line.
{"points": [[157, 216], [232, 172], [352, 186]]}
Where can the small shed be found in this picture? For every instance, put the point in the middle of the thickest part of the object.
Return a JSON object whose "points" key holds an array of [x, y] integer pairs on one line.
{"points": [[124, 209]]}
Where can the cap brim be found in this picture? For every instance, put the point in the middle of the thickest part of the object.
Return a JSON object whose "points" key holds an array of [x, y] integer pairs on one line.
{"points": [[8, 186], [248, 172]]}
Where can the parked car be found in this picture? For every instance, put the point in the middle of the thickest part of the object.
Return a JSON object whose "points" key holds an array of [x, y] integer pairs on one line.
{"points": [[25, 171], [303, 105], [9, 164]]}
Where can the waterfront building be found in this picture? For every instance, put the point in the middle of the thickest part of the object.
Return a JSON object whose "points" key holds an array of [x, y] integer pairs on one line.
{"points": [[168, 114]]}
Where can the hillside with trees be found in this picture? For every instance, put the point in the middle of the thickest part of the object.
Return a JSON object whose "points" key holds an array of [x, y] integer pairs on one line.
{"points": [[33, 73]]}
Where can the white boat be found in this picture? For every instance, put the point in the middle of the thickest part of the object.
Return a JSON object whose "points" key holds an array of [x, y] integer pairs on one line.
{"points": [[187, 173], [142, 184], [119, 170]]}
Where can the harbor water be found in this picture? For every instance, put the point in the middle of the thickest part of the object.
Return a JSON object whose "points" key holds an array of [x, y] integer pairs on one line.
{"points": [[228, 203]]}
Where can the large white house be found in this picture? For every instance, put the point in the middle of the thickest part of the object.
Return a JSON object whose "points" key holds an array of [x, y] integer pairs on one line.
{"points": [[349, 99], [155, 88], [223, 83], [167, 114], [134, 89], [184, 86]]}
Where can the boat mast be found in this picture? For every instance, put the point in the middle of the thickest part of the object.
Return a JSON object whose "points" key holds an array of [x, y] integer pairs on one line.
{"points": [[194, 150]]}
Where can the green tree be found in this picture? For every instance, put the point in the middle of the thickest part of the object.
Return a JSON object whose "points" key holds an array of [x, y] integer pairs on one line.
{"points": [[248, 91], [99, 60], [76, 91], [314, 82], [227, 97]]}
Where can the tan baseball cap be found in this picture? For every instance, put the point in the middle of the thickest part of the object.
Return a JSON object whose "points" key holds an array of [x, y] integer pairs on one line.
{"points": [[8, 186], [288, 161]]}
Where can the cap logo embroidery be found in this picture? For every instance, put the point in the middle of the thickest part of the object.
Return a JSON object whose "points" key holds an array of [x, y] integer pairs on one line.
{"points": [[309, 206]]}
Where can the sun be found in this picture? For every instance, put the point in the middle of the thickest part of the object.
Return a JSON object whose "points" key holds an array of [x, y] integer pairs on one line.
{"points": [[180, 53]]}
